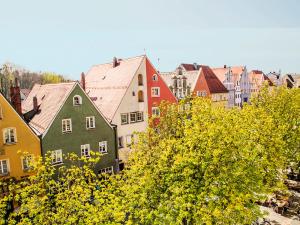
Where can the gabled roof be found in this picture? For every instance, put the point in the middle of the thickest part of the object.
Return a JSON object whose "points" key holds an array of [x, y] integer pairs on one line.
{"points": [[25, 91], [220, 73], [190, 67], [213, 83], [20, 116], [191, 77], [107, 85], [50, 98]]}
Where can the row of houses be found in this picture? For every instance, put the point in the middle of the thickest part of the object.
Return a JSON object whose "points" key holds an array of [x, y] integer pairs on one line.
{"points": [[104, 111]]}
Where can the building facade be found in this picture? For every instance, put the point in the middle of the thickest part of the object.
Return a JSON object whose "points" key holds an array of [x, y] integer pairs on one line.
{"points": [[128, 92], [19, 145], [69, 122]]}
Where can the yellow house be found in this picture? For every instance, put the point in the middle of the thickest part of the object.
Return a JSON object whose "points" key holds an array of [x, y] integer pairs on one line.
{"points": [[18, 143]]}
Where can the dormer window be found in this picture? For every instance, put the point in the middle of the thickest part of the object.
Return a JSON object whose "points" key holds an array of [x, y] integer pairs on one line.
{"points": [[155, 77], [77, 100]]}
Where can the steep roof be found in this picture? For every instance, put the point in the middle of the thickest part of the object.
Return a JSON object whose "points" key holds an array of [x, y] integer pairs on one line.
{"points": [[107, 85], [220, 73], [213, 83], [190, 67], [50, 99], [191, 77]]}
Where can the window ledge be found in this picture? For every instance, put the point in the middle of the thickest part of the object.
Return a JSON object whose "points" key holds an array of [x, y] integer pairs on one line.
{"points": [[11, 143], [67, 132], [4, 174], [104, 153], [57, 164], [92, 128]]}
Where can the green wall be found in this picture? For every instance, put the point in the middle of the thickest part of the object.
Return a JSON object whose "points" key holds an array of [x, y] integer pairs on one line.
{"points": [[71, 142]]}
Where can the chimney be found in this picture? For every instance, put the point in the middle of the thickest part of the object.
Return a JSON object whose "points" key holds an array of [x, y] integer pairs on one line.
{"points": [[15, 96], [35, 104], [82, 81], [225, 66], [115, 62]]}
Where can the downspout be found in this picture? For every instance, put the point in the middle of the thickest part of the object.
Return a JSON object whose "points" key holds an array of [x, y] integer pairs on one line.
{"points": [[116, 148]]}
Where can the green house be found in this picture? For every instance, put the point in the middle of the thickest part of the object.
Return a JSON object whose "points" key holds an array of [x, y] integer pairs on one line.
{"points": [[67, 121]]}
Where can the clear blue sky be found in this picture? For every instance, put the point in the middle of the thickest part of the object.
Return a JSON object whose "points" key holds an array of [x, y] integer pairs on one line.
{"points": [[68, 36]]}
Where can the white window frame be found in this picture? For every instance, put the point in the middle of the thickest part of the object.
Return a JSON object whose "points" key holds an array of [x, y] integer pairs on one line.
{"points": [[127, 118], [135, 116], [2, 173], [155, 111], [103, 147], [155, 92], [26, 160], [85, 150], [70, 126], [108, 170], [141, 114], [75, 103], [57, 157], [90, 122], [9, 129], [155, 77]]}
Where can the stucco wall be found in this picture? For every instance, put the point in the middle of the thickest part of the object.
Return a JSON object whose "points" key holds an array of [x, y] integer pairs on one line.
{"points": [[27, 141], [71, 142]]}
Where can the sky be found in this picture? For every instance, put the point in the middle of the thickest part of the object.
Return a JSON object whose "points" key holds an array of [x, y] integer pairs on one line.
{"points": [[69, 36]]}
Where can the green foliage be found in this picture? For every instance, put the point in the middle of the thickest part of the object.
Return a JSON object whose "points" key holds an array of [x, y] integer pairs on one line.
{"points": [[200, 164]]}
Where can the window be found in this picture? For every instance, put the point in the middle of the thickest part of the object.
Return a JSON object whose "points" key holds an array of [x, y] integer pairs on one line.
{"points": [[155, 111], [4, 170], [90, 122], [66, 125], [141, 96], [10, 135], [198, 93], [77, 100], [103, 146], [57, 156], [155, 77], [120, 142], [132, 117], [124, 118], [203, 93], [155, 92], [85, 150], [139, 116], [26, 162], [140, 79], [108, 170]]}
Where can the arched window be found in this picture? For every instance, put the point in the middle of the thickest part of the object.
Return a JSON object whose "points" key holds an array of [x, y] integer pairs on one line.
{"points": [[141, 96], [140, 79], [77, 100], [155, 77]]}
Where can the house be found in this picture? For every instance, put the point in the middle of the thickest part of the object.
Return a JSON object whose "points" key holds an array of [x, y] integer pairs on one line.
{"points": [[128, 92], [19, 144], [257, 79], [209, 85], [236, 80], [68, 121], [189, 80]]}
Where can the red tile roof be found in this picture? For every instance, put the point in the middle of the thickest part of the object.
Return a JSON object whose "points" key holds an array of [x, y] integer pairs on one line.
{"points": [[190, 67], [213, 83]]}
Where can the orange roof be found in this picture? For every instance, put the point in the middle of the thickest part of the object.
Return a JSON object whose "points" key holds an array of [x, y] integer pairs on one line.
{"points": [[213, 83], [220, 73]]}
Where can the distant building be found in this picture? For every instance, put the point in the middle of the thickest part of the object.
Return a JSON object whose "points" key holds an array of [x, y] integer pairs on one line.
{"points": [[127, 91], [257, 79], [196, 80], [68, 122]]}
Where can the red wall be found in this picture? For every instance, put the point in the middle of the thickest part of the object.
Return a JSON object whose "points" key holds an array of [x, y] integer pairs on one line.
{"points": [[165, 92]]}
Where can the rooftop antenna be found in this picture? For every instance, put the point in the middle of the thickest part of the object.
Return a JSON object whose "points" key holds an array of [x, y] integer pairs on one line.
{"points": [[144, 51]]}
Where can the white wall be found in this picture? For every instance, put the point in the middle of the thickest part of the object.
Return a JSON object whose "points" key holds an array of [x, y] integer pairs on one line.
{"points": [[129, 104]]}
